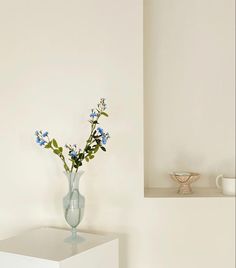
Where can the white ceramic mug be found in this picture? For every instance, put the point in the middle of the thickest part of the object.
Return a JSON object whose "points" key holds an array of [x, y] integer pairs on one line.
{"points": [[226, 184]]}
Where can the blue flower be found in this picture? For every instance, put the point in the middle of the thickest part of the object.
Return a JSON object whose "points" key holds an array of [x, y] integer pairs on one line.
{"points": [[105, 137], [42, 142], [36, 133], [104, 140], [38, 140], [93, 115], [45, 134], [100, 130], [73, 154]]}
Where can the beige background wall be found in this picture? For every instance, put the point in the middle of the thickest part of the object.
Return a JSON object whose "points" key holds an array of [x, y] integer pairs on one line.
{"points": [[189, 89], [57, 59]]}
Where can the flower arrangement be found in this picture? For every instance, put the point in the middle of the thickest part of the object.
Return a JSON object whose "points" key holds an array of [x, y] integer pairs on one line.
{"points": [[97, 140]]}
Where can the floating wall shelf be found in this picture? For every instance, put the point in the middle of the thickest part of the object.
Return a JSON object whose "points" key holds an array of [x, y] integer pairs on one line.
{"points": [[158, 192]]}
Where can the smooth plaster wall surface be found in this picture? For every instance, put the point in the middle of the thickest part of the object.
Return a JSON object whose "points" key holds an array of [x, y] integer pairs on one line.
{"points": [[57, 59], [189, 89]]}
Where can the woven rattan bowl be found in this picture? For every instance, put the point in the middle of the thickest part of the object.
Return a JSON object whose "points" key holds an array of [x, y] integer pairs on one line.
{"points": [[184, 179]]}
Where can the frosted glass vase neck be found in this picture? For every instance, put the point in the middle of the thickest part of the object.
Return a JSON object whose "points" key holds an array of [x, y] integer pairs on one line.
{"points": [[74, 179]]}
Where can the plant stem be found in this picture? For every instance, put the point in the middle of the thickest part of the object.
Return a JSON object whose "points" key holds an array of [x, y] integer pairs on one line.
{"points": [[90, 139]]}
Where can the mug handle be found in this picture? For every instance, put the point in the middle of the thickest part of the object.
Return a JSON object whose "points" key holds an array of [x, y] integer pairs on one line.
{"points": [[219, 177]]}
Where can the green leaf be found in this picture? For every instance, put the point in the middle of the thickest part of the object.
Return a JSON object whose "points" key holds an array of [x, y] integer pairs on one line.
{"points": [[56, 151], [87, 159], [103, 148], [91, 156], [88, 148], [97, 141], [105, 114], [60, 149], [81, 156], [48, 145], [96, 148], [54, 142]]}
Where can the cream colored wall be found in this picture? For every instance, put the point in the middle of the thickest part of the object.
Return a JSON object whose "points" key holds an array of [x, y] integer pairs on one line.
{"points": [[189, 89], [57, 59]]}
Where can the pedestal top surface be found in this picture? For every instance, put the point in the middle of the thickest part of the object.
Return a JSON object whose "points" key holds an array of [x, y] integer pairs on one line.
{"points": [[49, 244]]}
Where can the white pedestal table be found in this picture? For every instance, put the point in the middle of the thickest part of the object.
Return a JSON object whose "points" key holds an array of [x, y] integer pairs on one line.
{"points": [[46, 248]]}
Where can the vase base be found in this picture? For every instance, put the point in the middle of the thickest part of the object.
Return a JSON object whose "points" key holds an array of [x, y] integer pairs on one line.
{"points": [[74, 239]]}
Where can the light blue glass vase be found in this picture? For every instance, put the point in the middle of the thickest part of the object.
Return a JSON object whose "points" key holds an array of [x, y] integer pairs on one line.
{"points": [[73, 204]]}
